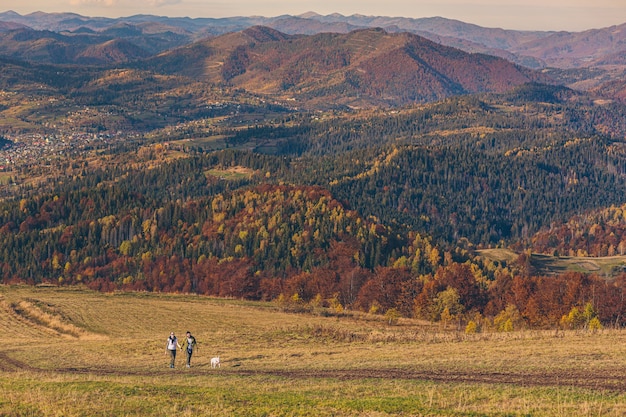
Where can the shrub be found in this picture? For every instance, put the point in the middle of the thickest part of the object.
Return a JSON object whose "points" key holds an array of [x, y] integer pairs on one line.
{"points": [[471, 327], [374, 308], [508, 320], [392, 316], [579, 319], [335, 305], [594, 324]]}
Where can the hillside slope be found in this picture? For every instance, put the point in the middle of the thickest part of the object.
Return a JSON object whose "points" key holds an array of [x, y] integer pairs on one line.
{"points": [[113, 46], [361, 68], [576, 50]]}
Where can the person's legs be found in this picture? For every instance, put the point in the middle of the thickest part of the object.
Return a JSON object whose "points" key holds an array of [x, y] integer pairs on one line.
{"points": [[172, 357], [189, 353]]}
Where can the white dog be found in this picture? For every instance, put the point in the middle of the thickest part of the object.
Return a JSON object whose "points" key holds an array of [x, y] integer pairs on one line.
{"points": [[215, 362]]}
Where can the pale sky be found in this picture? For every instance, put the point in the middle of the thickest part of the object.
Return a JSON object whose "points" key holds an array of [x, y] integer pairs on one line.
{"points": [[570, 15]]}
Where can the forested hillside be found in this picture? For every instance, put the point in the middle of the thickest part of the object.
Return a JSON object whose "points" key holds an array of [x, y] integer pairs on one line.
{"points": [[269, 166], [490, 170], [178, 227], [597, 233]]}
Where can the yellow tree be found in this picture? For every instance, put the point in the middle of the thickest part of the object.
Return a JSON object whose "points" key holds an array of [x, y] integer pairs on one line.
{"points": [[447, 305]]}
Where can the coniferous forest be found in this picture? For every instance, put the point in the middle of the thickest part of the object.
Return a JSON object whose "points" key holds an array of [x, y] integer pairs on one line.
{"points": [[372, 210]]}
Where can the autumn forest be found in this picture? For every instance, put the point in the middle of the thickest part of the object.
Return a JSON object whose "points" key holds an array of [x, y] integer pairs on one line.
{"points": [[290, 176]]}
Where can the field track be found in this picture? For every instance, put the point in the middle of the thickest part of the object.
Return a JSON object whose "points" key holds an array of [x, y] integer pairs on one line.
{"points": [[607, 382]]}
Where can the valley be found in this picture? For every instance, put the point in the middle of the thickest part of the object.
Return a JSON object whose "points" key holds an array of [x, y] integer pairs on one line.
{"points": [[372, 168]]}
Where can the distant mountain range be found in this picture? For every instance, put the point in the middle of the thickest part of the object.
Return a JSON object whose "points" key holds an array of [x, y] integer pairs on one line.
{"points": [[561, 49], [589, 60], [362, 67]]}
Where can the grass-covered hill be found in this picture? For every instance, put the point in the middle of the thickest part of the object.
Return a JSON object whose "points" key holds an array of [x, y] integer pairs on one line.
{"points": [[87, 353]]}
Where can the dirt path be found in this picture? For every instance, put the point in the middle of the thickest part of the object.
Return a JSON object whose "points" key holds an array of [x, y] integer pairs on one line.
{"points": [[604, 382], [614, 381], [8, 364]]}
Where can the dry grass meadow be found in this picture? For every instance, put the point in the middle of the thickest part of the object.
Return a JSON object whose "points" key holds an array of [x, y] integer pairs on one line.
{"points": [[73, 352], [549, 265]]}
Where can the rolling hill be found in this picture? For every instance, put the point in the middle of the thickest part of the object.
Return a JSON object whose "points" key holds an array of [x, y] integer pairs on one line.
{"points": [[113, 46], [113, 51], [45, 46], [366, 67], [605, 46]]}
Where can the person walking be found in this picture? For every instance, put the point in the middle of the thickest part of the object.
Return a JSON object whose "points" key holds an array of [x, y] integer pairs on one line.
{"points": [[190, 346], [172, 344]]}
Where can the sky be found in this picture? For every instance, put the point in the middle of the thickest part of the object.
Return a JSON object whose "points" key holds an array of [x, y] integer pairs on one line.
{"points": [[569, 15]]}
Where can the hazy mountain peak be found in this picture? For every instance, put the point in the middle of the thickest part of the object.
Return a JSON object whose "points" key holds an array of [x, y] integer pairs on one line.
{"points": [[264, 34], [309, 15], [9, 13]]}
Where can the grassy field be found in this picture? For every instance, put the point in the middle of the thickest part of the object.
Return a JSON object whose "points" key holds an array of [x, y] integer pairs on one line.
{"points": [[73, 352], [5, 177], [206, 143], [233, 173], [547, 264]]}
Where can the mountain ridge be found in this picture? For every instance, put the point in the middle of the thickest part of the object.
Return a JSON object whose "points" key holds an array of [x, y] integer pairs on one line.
{"points": [[311, 22], [363, 67], [598, 51]]}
